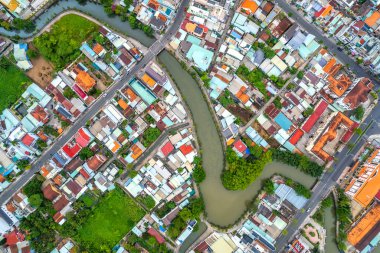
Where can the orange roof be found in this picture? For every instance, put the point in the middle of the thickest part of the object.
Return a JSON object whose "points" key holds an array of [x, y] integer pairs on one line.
{"points": [[148, 80], [242, 96], [58, 179], [12, 5], [365, 225], [329, 65], [97, 48], [42, 136], [369, 160], [323, 51], [122, 104], [327, 11], [40, 114], [330, 135], [190, 27], [85, 81], [162, 17], [10, 207], [116, 146], [368, 190], [44, 171], [60, 131], [250, 6], [230, 141], [372, 20], [136, 151], [130, 94], [340, 85]]}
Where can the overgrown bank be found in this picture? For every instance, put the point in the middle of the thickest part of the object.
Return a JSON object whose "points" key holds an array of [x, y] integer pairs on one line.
{"points": [[241, 172]]}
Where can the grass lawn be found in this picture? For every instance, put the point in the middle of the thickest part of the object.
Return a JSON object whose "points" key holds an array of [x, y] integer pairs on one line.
{"points": [[61, 44], [13, 83], [114, 216]]}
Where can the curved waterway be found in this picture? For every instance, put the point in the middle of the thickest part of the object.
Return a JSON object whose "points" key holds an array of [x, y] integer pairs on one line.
{"points": [[330, 226], [90, 8], [223, 207]]}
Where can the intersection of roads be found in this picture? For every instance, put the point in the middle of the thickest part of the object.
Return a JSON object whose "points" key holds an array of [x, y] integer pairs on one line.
{"points": [[326, 182]]}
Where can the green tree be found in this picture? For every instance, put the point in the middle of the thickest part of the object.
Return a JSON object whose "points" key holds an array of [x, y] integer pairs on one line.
{"points": [[300, 74], [32, 53], [150, 135], [33, 186], [69, 93], [22, 24], [49, 130], [35, 200], [149, 119], [23, 164], [277, 103], [309, 111], [41, 144], [85, 153], [240, 173], [148, 201], [133, 173], [268, 186], [199, 174], [359, 112], [225, 99]]}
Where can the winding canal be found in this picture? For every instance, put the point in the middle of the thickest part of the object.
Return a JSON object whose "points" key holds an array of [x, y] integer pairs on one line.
{"points": [[93, 9], [330, 226], [223, 207]]}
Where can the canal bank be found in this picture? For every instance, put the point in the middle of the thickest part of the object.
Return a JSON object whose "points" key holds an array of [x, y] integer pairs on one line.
{"points": [[330, 226], [94, 10], [223, 207]]}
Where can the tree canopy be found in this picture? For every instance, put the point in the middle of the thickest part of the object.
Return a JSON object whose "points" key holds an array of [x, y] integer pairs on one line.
{"points": [[61, 44], [301, 162], [240, 172]]}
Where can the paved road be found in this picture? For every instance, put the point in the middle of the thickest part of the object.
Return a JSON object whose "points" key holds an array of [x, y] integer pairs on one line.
{"points": [[91, 111], [148, 153], [328, 180], [331, 45], [262, 109], [344, 158]]}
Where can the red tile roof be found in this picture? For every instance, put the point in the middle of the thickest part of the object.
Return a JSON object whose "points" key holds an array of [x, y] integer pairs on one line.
{"points": [[74, 187], [296, 136], [27, 140], [14, 237], [84, 174], [96, 161], [58, 217], [40, 114], [82, 138], [308, 125], [156, 235], [60, 203], [240, 146], [359, 94], [167, 148], [50, 192], [71, 150], [186, 149]]}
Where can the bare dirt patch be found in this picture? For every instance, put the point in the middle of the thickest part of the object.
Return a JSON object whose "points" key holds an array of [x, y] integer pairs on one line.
{"points": [[42, 71], [244, 114]]}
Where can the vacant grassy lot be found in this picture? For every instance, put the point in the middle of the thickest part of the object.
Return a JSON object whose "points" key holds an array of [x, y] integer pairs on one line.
{"points": [[61, 44], [13, 82], [113, 218]]}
